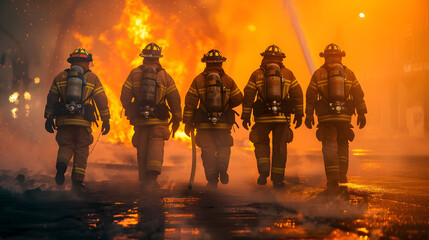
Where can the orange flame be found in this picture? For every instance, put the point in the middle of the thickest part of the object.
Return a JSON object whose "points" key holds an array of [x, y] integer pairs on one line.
{"points": [[115, 53]]}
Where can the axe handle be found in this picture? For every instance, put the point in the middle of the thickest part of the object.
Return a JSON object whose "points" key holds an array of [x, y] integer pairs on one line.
{"points": [[194, 160]]}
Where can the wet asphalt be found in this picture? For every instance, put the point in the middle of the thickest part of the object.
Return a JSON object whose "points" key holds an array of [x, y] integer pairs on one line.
{"points": [[393, 206]]}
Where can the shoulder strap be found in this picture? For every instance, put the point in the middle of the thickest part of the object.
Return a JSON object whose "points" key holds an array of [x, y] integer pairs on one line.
{"points": [[257, 91], [159, 69]]}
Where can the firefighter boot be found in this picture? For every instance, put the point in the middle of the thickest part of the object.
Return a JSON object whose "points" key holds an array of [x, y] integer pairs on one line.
{"points": [[78, 188], [343, 179], [61, 169], [224, 178], [278, 184], [212, 184], [151, 180], [262, 180], [332, 187]]}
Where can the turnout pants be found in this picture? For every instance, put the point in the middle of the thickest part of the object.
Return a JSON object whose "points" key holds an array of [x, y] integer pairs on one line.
{"points": [[335, 137], [149, 141], [215, 147], [259, 136], [74, 142]]}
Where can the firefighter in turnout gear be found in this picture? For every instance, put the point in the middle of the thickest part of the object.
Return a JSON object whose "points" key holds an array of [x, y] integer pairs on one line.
{"points": [[145, 95], [278, 96], [209, 107], [335, 95], [71, 109]]}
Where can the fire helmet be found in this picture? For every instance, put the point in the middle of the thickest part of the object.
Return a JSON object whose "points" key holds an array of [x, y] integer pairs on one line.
{"points": [[213, 56], [332, 50], [274, 51], [152, 50], [80, 55]]}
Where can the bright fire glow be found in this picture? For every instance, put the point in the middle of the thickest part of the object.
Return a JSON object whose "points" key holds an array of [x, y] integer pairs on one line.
{"points": [[27, 110], [14, 112], [251, 28], [36, 80], [129, 219], [14, 98], [362, 15], [27, 96], [361, 152], [126, 39]]}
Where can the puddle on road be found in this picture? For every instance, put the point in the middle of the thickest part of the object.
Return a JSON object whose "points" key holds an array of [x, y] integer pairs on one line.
{"points": [[179, 202], [128, 219]]}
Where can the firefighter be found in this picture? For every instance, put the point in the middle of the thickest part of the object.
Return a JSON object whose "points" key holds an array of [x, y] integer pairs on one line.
{"points": [[70, 109], [209, 107], [335, 95], [278, 96], [145, 95]]}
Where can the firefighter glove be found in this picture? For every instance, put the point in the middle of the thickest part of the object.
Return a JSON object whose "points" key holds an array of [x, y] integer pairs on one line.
{"points": [[361, 121], [105, 128], [297, 120], [175, 127], [176, 123], [50, 125], [188, 129], [246, 124], [309, 121]]}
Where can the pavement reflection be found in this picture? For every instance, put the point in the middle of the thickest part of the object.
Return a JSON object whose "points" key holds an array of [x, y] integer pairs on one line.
{"points": [[379, 204]]}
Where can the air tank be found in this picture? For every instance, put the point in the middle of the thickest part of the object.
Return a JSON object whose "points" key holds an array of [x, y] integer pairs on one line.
{"points": [[336, 82], [74, 85], [273, 84], [213, 93], [148, 87]]}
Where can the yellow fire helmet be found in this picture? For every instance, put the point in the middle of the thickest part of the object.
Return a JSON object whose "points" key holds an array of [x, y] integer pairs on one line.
{"points": [[80, 55]]}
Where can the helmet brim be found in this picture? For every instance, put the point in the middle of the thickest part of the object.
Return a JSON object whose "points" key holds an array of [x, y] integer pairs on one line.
{"points": [[78, 59], [150, 56], [273, 54], [213, 61], [341, 54], [218, 60]]}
